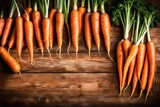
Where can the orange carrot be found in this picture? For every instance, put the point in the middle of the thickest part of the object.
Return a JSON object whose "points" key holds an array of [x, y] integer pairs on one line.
{"points": [[133, 52], [134, 81], [95, 22], [88, 32], [45, 30], [19, 32], [120, 62], [74, 22], [44, 5], [11, 40], [130, 72], [126, 47], [144, 77], [59, 28], [81, 13], [7, 29], [10, 61], [106, 29], [52, 15], [28, 28], [29, 12], [152, 65], [2, 23], [19, 35], [36, 19], [140, 58]]}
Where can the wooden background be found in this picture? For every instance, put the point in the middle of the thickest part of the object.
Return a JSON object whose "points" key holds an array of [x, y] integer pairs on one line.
{"points": [[73, 82]]}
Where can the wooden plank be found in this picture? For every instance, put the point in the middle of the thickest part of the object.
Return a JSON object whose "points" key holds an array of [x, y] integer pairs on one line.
{"points": [[69, 88], [99, 64]]}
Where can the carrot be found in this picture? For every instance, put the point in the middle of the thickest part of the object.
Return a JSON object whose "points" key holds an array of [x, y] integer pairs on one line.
{"points": [[106, 29], [120, 62], [11, 40], [130, 72], [44, 5], [133, 52], [126, 47], [2, 22], [87, 29], [19, 32], [9, 60], [74, 23], [133, 62], [81, 13], [7, 29], [134, 82], [60, 26], [140, 58], [45, 30], [151, 51], [95, 23], [28, 28], [144, 77], [52, 15], [152, 65], [36, 19]]}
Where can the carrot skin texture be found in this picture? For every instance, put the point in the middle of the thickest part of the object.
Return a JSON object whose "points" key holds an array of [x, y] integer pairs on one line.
{"points": [[59, 28], [131, 70], [140, 58], [28, 26], [120, 61], [152, 65], [74, 23], [9, 60], [6, 32], [126, 47], [36, 19], [2, 23], [134, 82], [45, 30], [95, 22], [106, 26], [29, 11], [52, 15], [143, 82], [133, 52], [81, 14], [19, 35], [11, 39], [87, 30]]}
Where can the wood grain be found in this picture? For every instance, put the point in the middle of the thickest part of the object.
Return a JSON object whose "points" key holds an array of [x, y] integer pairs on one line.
{"points": [[69, 88]]}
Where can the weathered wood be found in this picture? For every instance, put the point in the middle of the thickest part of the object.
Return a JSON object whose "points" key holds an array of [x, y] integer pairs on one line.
{"points": [[97, 64], [69, 88]]}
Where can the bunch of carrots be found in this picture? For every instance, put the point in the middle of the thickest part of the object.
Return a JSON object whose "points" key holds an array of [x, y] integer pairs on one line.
{"points": [[44, 25], [136, 56]]}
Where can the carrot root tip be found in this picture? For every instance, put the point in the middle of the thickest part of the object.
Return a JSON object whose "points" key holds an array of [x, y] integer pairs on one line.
{"points": [[111, 59], [99, 51], [140, 95]]}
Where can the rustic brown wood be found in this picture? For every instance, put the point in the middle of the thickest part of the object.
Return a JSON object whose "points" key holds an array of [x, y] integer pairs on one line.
{"points": [[77, 88]]}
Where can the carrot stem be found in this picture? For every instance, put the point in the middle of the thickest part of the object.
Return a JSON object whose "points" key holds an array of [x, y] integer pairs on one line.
{"points": [[18, 11]]}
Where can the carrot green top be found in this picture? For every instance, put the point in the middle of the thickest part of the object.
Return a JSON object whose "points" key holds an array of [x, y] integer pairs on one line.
{"points": [[12, 9], [44, 6], [66, 10]]}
